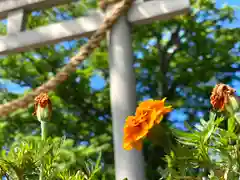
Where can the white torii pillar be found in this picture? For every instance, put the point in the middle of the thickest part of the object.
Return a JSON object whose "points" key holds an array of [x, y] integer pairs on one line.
{"points": [[128, 164]]}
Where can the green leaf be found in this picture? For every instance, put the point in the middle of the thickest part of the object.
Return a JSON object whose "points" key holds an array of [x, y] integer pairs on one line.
{"points": [[231, 124]]}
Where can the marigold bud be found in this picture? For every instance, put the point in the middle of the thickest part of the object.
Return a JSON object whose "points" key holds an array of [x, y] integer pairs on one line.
{"points": [[42, 107], [220, 96]]}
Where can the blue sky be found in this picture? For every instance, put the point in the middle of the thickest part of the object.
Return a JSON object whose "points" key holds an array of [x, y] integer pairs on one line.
{"points": [[97, 82]]}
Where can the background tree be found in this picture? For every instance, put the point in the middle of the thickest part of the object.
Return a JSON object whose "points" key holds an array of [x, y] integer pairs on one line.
{"points": [[177, 59]]}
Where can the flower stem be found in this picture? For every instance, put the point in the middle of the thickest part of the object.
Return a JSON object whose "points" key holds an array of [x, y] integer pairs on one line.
{"points": [[43, 130], [43, 136]]}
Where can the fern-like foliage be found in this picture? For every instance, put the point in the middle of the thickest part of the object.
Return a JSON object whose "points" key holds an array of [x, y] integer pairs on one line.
{"points": [[206, 149], [22, 161]]}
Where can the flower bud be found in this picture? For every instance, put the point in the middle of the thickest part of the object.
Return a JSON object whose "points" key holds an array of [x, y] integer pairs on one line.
{"points": [[222, 98], [42, 113], [42, 107]]}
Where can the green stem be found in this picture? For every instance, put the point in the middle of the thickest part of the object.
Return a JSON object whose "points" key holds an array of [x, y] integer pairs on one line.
{"points": [[44, 136], [43, 130]]}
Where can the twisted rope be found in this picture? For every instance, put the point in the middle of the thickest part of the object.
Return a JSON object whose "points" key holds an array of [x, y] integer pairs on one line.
{"points": [[62, 75], [104, 3]]}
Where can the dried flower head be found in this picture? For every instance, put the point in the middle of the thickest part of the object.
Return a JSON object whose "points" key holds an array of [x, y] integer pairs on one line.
{"points": [[148, 114], [42, 106], [220, 96]]}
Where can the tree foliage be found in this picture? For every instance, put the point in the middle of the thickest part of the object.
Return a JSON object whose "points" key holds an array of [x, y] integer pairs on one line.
{"points": [[177, 59]]}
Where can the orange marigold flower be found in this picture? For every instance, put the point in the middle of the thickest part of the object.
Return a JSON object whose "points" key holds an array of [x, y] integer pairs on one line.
{"points": [[156, 108], [220, 96], [148, 113], [134, 131], [42, 102]]}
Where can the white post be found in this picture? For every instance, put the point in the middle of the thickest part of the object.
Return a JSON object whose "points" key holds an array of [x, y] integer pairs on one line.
{"points": [[128, 164]]}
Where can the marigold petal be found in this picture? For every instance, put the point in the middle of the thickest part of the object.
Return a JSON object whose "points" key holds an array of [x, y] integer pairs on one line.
{"points": [[166, 110], [138, 145], [160, 102], [142, 132], [146, 104], [127, 139], [158, 120], [127, 146], [152, 119], [129, 130], [129, 119], [141, 111]]}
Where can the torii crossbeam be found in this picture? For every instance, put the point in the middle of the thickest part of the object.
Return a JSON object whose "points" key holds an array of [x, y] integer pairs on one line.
{"points": [[140, 13]]}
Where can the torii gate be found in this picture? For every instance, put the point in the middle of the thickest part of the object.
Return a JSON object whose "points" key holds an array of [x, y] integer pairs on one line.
{"points": [[128, 164]]}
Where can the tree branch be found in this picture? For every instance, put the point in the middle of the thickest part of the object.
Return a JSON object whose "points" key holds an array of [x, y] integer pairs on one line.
{"points": [[164, 58]]}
